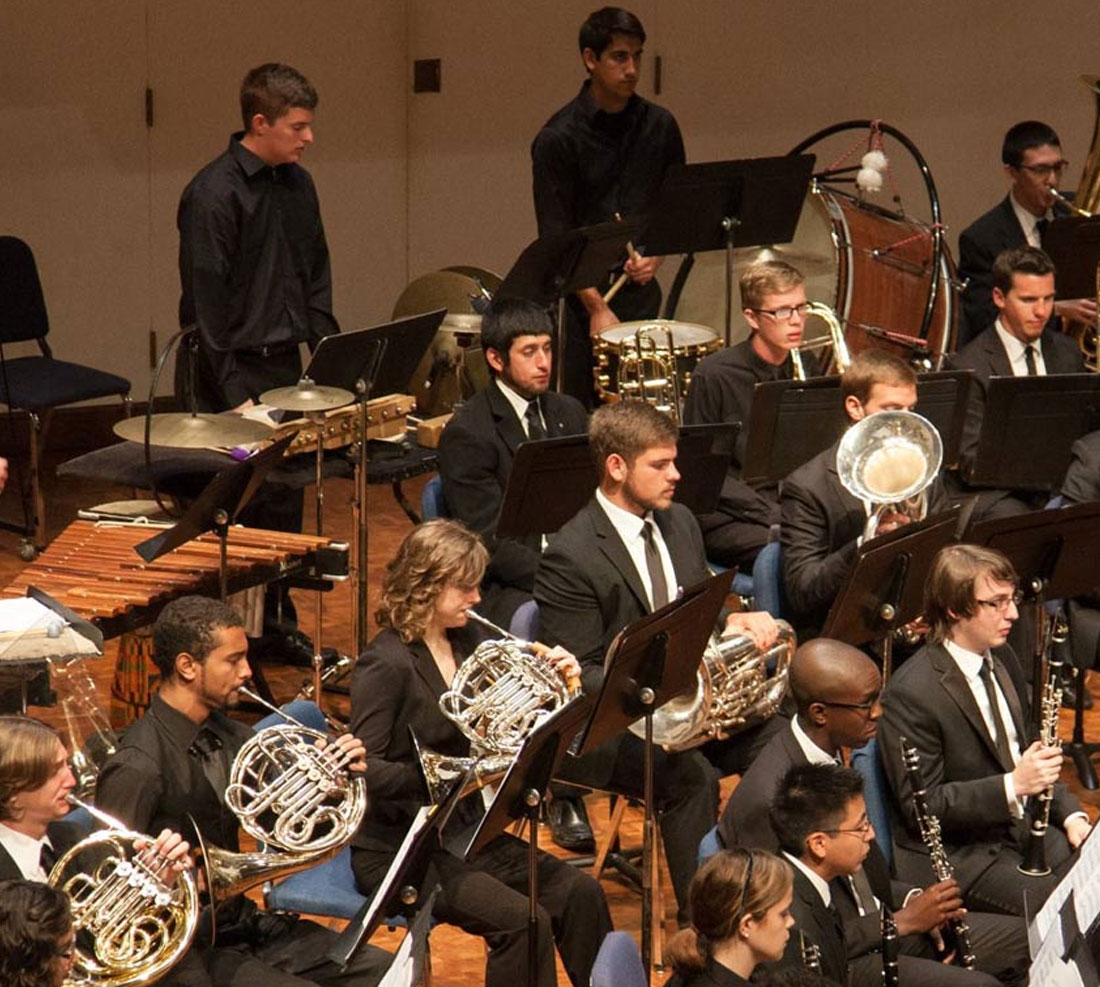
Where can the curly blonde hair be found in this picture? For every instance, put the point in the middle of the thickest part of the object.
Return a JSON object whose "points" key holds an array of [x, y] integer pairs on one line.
{"points": [[431, 556]]}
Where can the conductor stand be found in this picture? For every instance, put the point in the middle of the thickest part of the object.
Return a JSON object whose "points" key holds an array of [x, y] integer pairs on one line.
{"points": [[722, 204]]}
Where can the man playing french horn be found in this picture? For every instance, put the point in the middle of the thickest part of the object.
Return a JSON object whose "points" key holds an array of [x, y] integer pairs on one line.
{"points": [[172, 770]]}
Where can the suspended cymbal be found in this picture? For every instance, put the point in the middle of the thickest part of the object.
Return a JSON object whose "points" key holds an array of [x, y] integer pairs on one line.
{"points": [[185, 431], [306, 396]]}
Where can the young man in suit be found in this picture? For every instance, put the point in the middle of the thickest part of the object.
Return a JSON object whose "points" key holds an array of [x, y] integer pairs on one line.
{"points": [[963, 703], [1032, 158], [773, 298], [627, 553], [836, 688], [823, 523]]}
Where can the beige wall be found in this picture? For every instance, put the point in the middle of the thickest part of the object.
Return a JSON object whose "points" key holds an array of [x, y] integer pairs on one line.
{"points": [[410, 183]]}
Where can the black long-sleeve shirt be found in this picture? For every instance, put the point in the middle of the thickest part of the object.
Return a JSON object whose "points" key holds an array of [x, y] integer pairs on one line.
{"points": [[254, 263]]}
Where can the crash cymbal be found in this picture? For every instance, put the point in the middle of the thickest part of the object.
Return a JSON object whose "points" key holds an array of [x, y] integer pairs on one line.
{"points": [[306, 396], [186, 431]]}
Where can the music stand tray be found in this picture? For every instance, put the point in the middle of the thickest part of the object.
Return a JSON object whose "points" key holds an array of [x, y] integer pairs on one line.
{"points": [[1073, 243]]}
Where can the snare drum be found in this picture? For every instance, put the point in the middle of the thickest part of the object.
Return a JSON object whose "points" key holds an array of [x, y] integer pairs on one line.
{"points": [[660, 345]]}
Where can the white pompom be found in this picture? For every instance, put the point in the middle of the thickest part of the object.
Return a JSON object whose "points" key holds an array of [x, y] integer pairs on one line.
{"points": [[875, 160], [869, 180]]}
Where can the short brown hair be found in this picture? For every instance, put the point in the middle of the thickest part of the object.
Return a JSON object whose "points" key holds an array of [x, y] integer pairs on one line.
{"points": [[767, 277], [1019, 260], [34, 919], [272, 89], [187, 626], [28, 754], [433, 554], [949, 591], [875, 366], [628, 429]]}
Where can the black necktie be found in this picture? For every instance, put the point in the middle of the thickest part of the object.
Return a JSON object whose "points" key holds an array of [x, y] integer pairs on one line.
{"points": [[1029, 359], [208, 747], [1001, 735], [656, 569], [535, 431], [1041, 227], [47, 857]]}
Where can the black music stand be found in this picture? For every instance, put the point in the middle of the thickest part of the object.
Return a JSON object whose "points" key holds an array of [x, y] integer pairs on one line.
{"points": [[884, 589], [1044, 416], [725, 204], [553, 267], [650, 662], [520, 796], [1073, 243]]}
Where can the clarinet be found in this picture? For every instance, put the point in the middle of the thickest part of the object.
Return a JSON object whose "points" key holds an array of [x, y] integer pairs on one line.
{"points": [[932, 838], [811, 954], [1034, 862], [890, 949]]}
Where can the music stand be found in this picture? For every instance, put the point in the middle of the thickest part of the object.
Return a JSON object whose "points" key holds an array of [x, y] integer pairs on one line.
{"points": [[1044, 416], [371, 362], [884, 589], [722, 204], [1073, 243], [552, 267], [520, 796], [650, 662]]}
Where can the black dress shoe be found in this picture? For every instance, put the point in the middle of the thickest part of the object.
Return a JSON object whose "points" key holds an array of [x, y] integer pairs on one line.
{"points": [[569, 825]]}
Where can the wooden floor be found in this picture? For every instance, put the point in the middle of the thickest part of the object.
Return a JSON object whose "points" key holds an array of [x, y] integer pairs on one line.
{"points": [[458, 959]]}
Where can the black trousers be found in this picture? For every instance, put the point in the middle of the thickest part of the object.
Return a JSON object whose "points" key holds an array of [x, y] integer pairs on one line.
{"points": [[487, 897], [1001, 887]]}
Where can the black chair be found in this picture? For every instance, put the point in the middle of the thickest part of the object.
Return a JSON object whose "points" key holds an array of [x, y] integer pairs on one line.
{"points": [[38, 384]]}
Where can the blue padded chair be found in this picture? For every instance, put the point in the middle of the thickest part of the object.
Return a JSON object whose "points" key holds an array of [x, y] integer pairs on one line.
{"points": [[432, 504], [38, 384], [709, 845], [525, 621], [619, 963], [865, 760], [767, 580]]}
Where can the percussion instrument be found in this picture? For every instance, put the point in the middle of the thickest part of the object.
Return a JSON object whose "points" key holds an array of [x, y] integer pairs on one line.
{"points": [[186, 431], [306, 396], [873, 267]]}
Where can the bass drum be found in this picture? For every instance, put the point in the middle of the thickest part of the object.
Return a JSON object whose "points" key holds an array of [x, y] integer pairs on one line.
{"points": [[872, 267], [454, 366]]}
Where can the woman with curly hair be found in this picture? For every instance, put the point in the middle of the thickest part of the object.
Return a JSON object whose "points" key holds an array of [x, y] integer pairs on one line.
{"points": [[36, 935], [740, 918], [395, 688]]}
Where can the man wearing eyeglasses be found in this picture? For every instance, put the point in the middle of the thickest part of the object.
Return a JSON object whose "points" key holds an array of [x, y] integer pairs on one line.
{"points": [[721, 389], [1032, 157], [836, 690], [962, 702]]}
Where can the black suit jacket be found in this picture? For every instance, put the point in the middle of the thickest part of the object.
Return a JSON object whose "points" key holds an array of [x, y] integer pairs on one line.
{"points": [[476, 451], [979, 245], [1082, 482], [821, 928], [929, 702], [63, 836]]}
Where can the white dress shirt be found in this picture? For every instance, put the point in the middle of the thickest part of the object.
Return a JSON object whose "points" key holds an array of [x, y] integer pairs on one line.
{"points": [[519, 404], [26, 851], [631, 531], [819, 883], [1017, 352], [1029, 222]]}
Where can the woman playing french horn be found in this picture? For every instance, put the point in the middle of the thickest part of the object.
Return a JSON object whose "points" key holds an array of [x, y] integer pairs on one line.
{"points": [[426, 636]]}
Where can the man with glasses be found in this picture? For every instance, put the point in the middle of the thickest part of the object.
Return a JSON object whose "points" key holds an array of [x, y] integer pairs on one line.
{"points": [[836, 690], [774, 305], [963, 703], [1032, 157]]}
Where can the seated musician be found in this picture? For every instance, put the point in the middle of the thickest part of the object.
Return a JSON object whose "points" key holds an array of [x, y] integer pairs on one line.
{"points": [[836, 688], [625, 554], [1032, 158], [721, 388], [171, 769], [823, 523], [35, 782], [962, 703], [740, 918], [395, 692], [1018, 343], [820, 818], [475, 460], [36, 935]]}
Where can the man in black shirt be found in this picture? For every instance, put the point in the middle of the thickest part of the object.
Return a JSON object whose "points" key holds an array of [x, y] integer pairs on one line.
{"points": [[774, 302], [602, 155], [171, 771]]}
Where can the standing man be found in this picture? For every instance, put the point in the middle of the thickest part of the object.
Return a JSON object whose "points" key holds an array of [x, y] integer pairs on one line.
{"points": [[1032, 158], [773, 299], [962, 702], [602, 155]]}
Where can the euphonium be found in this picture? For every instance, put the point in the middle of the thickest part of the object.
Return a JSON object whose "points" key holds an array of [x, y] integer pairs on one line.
{"points": [[889, 460], [834, 338], [647, 370], [132, 926], [733, 690]]}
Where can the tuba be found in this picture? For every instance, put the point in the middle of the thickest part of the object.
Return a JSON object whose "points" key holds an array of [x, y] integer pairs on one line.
{"points": [[733, 690], [889, 460], [647, 370], [834, 338], [131, 927]]}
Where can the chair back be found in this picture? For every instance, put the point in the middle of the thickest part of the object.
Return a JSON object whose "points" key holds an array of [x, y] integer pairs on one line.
{"points": [[709, 845], [305, 711], [432, 504], [866, 761], [525, 622], [618, 963], [22, 306]]}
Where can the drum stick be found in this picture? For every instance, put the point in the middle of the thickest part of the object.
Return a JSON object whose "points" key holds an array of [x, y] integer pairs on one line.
{"points": [[624, 277]]}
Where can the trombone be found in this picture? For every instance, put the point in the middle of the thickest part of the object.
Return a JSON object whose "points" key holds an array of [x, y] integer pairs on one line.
{"points": [[834, 338]]}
